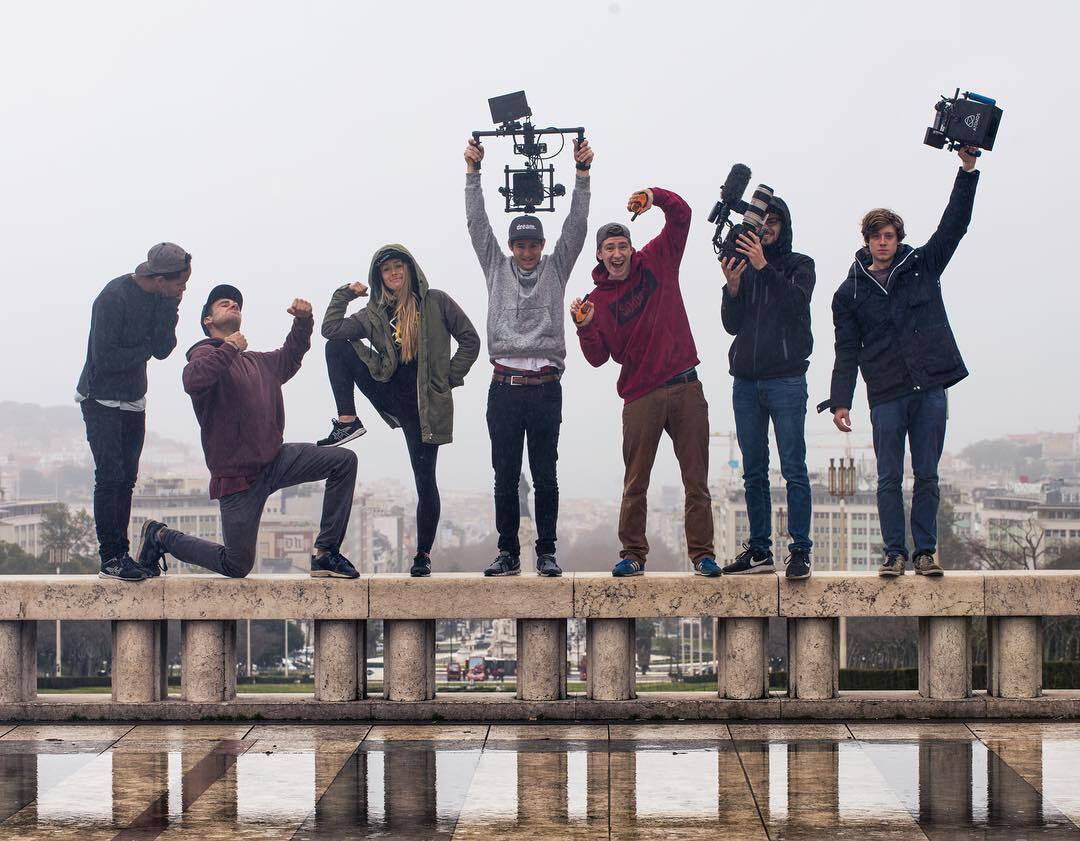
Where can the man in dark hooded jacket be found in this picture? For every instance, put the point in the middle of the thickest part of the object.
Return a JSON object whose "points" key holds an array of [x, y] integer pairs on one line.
{"points": [[891, 324], [766, 307]]}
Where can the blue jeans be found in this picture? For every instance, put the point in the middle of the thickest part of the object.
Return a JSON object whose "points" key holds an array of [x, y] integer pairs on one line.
{"points": [[782, 400], [918, 418]]}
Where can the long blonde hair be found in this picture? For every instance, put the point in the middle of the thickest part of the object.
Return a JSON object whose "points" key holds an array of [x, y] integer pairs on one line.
{"points": [[407, 314]]}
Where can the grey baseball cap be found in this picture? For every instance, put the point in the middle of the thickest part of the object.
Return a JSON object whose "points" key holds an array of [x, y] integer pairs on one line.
{"points": [[526, 227], [164, 258], [611, 229]]}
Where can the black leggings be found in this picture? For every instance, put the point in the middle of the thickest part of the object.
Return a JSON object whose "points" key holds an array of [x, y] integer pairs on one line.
{"points": [[397, 398]]}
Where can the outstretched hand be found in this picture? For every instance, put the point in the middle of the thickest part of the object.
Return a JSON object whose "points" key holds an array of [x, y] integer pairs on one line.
{"points": [[300, 308]]}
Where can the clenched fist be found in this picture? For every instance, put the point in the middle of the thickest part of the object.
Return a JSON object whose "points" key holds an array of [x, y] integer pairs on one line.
{"points": [[237, 340], [358, 289], [300, 308]]}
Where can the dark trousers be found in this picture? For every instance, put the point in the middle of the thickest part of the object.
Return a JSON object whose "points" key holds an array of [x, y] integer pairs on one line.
{"points": [[396, 398], [517, 414], [116, 442], [241, 512], [781, 400], [919, 419], [683, 413]]}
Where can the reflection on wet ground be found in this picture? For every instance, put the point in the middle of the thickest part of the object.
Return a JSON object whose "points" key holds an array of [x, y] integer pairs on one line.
{"points": [[861, 781]]}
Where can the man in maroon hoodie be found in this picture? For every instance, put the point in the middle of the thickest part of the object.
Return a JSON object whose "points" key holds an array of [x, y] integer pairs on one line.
{"points": [[636, 316], [237, 398]]}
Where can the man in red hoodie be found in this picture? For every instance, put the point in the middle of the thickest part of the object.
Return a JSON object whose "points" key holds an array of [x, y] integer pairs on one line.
{"points": [[237, 398], [636, 316]]}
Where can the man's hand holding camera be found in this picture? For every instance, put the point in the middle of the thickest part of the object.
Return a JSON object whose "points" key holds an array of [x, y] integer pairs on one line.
{"points": [[967, 157], [639, 202], [749, 245], [582, 312], [474, 153], [583, 157]]}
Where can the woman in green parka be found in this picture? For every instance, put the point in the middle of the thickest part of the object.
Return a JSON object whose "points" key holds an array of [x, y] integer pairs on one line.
{"points": [[404, 368]]}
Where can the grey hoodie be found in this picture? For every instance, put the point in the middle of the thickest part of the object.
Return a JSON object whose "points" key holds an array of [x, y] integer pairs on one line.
{"points": [[525, 309]]}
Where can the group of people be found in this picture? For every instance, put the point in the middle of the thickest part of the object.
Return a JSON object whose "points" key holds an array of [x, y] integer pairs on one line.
{"points": [[889, 319]]}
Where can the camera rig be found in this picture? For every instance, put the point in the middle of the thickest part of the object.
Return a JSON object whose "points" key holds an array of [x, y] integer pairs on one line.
{"points": [[968, 120], [731, 201], [530, 188]]}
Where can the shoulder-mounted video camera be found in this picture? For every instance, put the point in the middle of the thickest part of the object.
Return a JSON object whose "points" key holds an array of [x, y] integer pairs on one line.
{"points": [[968, 120], [731, 201], [530, 188]]}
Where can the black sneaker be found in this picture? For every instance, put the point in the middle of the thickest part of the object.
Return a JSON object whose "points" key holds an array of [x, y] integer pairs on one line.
{"points": [[798, 565], [332, 564], [122, 568], [421, 566], [926, 564], [547, 566], [892, 566], [750, 561], [342, 432], [151, 553], [505, 564]]}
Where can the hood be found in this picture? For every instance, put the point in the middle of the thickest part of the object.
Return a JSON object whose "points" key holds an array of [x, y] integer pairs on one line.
{"points": [[782, 245], [419, 281], [201, 342]]}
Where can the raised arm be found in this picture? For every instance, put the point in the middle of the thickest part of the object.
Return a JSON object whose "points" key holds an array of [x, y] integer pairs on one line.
{"points": [[669, 244], [954, 222], [336, 325], [483, 239], [576, 225]]}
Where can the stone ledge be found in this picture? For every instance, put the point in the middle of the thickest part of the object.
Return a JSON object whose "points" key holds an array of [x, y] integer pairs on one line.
{"points": [[474, 707], [1044, 593], [460, 595], [866, 594], [264, 597], [598, 595]]}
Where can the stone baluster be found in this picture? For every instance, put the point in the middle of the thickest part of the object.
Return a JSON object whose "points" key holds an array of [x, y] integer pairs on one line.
{"points": [[340, 659], [1014, 656], [208, 660], [409, 659], [18, 661], [610, 647], [813, 658], [945, 657], [541, 659], [742, 668], [139, 660]]}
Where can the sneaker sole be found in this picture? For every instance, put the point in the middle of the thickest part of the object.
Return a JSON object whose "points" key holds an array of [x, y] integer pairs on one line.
{"points": [[502, 574], [931, 573], [708, 574], [120, 578], [352, 437], [326, 573], [797, 577], [761, 568], [627, 574], [549, 574], [419, 574], [888, 573]]}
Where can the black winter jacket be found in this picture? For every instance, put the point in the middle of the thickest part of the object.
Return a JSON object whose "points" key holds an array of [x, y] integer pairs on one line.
{"points": [[770, 317], [900, 338]]}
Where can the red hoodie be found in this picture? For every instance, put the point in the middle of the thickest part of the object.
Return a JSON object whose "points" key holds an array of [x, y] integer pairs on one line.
{"points": [[237, 399], [641, 322]]}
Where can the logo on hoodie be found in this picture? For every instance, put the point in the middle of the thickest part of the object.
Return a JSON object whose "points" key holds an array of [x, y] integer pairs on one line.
{"points": [[633, 302]]}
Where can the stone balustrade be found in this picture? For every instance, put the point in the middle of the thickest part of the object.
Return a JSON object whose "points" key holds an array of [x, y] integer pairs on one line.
{"points": [[208, 607]]}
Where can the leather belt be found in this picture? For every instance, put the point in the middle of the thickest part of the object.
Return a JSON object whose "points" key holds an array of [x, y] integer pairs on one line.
{"points": [[685, 377], [525, 379]]}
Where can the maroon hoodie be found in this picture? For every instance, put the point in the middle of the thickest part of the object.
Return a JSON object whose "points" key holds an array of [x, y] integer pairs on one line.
{"points": [[237, 399], [641, 322]]}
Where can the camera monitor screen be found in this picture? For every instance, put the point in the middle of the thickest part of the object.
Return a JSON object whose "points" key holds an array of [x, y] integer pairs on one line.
{"points": [[509, 107]]}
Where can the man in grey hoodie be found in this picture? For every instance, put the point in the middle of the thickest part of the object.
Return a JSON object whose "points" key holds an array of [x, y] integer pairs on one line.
{"points": [[527, 346]]}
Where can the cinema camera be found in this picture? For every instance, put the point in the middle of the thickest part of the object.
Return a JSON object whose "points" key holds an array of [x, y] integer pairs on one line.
{"points": [[531, 188], [970, 120], [731, 200]]}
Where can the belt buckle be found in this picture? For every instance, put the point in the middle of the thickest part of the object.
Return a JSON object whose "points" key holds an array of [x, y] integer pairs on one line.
{"points": [[520, 379]]}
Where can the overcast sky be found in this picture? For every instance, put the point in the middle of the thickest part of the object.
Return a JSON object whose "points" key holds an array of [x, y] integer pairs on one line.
{"points": [[282, 143]]}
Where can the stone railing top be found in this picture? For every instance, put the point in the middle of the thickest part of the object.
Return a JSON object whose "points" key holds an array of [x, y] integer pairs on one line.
{"points": [[587, 595]]}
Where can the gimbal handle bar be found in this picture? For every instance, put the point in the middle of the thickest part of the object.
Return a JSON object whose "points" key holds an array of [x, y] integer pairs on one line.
{"points": [[510, 129]]}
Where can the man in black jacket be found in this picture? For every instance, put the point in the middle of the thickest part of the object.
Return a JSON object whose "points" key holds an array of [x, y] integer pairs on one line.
{"points": [[766, 307], [133, 319], [890, 323]]}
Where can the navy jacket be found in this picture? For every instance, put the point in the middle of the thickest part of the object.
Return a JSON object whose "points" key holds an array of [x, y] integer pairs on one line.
{"points": [[900, 337], [770, 317]]}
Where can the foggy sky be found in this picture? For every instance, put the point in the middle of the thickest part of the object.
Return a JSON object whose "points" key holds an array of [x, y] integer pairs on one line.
{"points": [[282, 143]]}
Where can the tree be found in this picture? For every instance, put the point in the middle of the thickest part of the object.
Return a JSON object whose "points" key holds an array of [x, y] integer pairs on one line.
{"points": [[1021, 547], [65, 533]]}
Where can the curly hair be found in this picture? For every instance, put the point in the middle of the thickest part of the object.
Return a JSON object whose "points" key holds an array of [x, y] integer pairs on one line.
{"points": [[877, 219]]}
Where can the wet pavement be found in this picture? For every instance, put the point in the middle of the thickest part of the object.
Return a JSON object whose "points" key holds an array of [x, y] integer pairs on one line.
{"points": [[861, 781]]}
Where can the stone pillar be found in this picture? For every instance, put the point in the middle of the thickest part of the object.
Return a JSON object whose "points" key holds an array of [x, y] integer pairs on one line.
{"points": [[137, 780], [813, 658], [945, 769], [1010, 803], [340, 659], [541, 659], [597, 789], [139, 668], [742, 665], [542, 796], [18, 661], [1014, 656], [208, 660], [409, 659], [611, 649], [813, 787], [945, 657], [343, 807]]}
